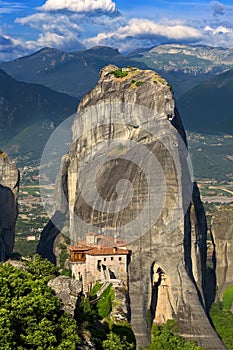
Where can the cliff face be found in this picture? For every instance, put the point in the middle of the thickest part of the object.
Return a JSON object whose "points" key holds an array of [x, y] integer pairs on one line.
{"points": [[159, 213], [9, 186], [222, 230]]}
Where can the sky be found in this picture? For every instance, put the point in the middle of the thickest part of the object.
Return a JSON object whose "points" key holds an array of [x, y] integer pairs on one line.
{"points": [[70, 25]]}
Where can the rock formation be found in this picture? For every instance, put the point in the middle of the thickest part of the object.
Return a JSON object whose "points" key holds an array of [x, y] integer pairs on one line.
{"points": [[9, 186], [222, 230], [67, 290], [167, 267]]}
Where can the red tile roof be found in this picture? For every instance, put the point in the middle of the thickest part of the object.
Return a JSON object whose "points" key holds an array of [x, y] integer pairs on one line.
{"points": [[107, 251], [105, 245]]}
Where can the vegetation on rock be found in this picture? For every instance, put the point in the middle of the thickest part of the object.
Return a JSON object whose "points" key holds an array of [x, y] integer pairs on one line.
{"points": [[139, 83], [165, 337], [94, 318], [119, 73]]}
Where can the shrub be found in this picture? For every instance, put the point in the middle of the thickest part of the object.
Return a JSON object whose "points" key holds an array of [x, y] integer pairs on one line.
{"points": [[119, 73], [165, 337], [114, 342], [139, 83], [124, 330]]}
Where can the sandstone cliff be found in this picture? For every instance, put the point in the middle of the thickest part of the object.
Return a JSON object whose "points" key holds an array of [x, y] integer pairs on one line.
{"points": [[222, 230], [168, 241], [9, 186]]}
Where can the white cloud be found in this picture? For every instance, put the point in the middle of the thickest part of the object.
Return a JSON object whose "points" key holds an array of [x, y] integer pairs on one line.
{"points": [[52, 22], [67, 31], [72, 24], [218, 36], [218, 30], [10, 47], [80, 5], [68, 42], [146, 30]]}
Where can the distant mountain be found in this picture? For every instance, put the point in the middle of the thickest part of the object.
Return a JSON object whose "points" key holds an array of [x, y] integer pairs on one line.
{"points": [[32, 111], [184, 66], [208, 106], [71, 73]]}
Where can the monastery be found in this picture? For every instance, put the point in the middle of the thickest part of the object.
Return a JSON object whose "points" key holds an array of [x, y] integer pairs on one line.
{"points": [[99, 258]]}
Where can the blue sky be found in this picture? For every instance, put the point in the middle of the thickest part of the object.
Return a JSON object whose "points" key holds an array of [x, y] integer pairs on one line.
{"points": [[69, 25]]}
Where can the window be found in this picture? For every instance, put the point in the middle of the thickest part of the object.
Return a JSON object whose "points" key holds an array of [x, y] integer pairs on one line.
{"points": [[120, 258], [111, 257], [104, 259]]}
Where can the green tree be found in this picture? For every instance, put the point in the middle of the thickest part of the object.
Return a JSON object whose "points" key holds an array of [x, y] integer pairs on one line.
{"points": [[42, 268], [165, 337], [114, 342], [30, 315]]}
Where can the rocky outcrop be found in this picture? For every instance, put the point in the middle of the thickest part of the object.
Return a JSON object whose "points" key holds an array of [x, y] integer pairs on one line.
{"points": [[160, 213], [222, 230], [120, 305], [9, 186], [67, 290]]}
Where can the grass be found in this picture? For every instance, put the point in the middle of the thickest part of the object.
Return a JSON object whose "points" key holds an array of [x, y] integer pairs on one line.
{"points": [[104, 305], [228, 298], [94, 290], [223, 323]]}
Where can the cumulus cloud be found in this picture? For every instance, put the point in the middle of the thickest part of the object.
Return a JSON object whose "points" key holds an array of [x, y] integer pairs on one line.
{"points": [[146, 31], [66, 30], [71, 25], [218, 36], [80, 5], [52, 22], [218, 30], [55, 30], [67, 42]]}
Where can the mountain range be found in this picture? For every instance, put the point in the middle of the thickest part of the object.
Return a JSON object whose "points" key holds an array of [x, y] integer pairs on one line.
{"points": [[201, 77], [184, 66], [71, 73], [29, 113], [208, 106]]}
